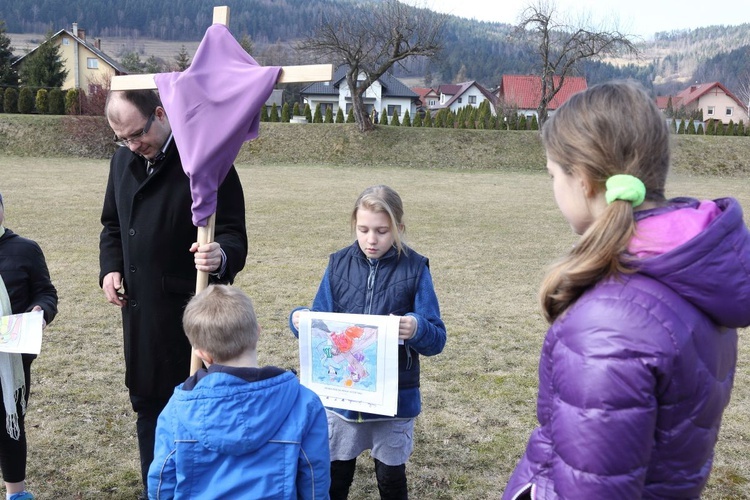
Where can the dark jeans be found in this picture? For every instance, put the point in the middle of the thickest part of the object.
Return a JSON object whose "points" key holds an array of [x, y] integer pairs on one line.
{"points": [[148, 410], [13, 451], [391, 479]]}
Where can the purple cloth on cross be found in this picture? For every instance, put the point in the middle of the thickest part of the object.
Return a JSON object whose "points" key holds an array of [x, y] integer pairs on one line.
{"points": [[213, 107]]}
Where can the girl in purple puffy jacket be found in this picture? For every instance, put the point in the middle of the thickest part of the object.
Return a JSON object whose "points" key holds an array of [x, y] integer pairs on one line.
{"points": [[638, 363]]}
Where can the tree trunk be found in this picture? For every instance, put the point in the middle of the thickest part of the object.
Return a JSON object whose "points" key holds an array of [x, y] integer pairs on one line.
{"points": [[361, 117]]}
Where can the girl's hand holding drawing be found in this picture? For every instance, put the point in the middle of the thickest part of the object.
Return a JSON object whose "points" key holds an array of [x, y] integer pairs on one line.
{"points": [[407, 327], [39, 308], [295, 318]]}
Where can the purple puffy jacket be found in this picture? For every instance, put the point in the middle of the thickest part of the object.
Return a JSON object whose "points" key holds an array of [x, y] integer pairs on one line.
{"points": [[635, 376]]}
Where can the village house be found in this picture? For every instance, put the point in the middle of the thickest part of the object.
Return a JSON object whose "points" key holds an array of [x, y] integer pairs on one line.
{"points": [[713, 100], [88, 67], [387, 93], [458, 95], [524, 92]]}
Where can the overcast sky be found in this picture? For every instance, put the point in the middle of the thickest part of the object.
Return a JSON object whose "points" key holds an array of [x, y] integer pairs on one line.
{"points": [[637, 17]]}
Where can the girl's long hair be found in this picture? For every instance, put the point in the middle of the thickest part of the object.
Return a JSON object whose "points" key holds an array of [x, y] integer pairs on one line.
{"points": [[383, 199], [612, 128]]}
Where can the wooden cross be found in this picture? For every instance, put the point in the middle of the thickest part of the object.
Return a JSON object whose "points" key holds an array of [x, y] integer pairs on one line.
{"points": [[288, 74]]}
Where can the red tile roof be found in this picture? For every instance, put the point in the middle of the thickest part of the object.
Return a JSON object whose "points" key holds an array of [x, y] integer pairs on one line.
{"points": [[524, 91]]}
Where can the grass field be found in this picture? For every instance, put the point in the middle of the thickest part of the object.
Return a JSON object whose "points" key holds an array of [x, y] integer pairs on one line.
{"points": [[488, 234]]}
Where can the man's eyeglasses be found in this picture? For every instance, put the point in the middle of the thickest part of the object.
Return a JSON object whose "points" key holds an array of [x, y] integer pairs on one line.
{"points": [[136, 137]]}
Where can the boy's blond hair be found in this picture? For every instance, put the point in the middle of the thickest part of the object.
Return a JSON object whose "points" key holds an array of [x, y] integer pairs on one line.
{"points": [[221, 321]]}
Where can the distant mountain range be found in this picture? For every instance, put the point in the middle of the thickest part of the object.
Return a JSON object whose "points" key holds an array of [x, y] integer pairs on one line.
{"points": [[474, 50]]}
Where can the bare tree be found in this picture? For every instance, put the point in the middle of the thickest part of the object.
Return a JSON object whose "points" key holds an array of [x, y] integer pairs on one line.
{"points": [[562, 46], [371, 40], [743, 90]]}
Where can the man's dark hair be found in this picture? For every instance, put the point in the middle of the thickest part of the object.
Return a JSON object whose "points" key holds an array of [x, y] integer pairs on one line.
{"points": [[145, 101]]}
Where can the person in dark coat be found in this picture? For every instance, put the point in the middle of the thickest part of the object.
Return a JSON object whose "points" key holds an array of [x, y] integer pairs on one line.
{"points": [[25, 286], [148, 254]]}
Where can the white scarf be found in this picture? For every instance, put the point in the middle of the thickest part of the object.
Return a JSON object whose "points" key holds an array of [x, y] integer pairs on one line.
{"points": [[11, 373]]}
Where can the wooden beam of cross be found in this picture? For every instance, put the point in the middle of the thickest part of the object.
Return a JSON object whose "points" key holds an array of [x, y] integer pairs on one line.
{"points": [[288, 74]]}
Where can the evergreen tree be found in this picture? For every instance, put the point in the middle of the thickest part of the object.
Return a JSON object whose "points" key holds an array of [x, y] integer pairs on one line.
{"points": [[10, 100], [132, 63], [44, 68], [731, 128], [395, 120], [710, 127], [153, 65], [673, 126], [42, 101], [73, 104], [8, 75], [407, 119], [690, 130], [247, 43], [471, 117], [318, 116], [522, 122], [417, 120], [427, 121], [264, 113], [25, 101], [741, 128], [493, 122], [340, 116], [512, 121], [384, 117], [329, 115], [295, 109], [182, 59], [56, 102], [274, 116], [534, 123], [285, 113], [450, 119], [350, 115], [699, 130], [308, 113], [461, 118], [670, 109], [681, 128]]}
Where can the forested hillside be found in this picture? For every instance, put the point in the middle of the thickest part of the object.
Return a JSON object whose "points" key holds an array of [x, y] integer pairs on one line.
{"points": [[474, 50]]}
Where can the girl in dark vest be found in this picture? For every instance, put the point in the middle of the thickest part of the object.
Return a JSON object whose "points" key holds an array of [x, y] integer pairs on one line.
{"points": [[379, 274]]}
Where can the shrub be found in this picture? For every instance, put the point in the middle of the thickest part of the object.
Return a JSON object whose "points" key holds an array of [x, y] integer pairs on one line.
{"points": [[295, 109], [340, 116], [285, 113], [56, 102], [264, 113], [42, 101], [329, 114], [73, 104], [308, 113], [10, 100], [427, 121], [26, 101], [394, 119], [417, 120], [384, 117], [681, 128], [350, 115], [407, 119], [318, 117], [274, 116]]}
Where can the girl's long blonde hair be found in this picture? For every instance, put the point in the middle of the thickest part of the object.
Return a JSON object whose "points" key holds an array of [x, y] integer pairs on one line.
{"points": [[612, 128], [383, 199]]}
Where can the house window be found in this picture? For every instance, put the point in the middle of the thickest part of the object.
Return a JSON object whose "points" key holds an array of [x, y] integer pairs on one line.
{"points": [[472, 99], [729, 111], [92, 63], [432, 102], [460, 100], [394, 109], [710, 110], [66, 41]]}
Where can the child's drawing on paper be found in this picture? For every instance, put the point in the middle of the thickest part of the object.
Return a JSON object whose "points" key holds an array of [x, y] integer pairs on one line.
{"points": [[344, 354], [10, 330]]}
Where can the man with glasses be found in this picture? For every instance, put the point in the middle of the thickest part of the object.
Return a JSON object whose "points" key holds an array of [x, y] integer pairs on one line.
{"points": [[148, 254]]}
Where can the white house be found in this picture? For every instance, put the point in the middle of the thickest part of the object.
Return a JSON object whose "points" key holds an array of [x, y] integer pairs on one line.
{"points": [[459, 95], [386, 93], [713, 99]]}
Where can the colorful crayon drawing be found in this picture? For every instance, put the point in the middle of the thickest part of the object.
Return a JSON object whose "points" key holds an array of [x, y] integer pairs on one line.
{"points": [[21, 333], [10, 331], [350, 360], [345, 354]]}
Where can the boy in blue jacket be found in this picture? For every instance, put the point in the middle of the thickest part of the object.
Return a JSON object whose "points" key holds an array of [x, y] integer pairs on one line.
{"points": [[235, 430]]}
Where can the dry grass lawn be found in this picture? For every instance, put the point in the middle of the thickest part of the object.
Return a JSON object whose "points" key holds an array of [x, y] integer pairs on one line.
{"points": [[488, 235]]}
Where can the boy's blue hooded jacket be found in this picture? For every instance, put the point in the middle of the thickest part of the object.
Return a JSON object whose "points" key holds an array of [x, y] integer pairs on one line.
{"points": [[229, 437]]}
